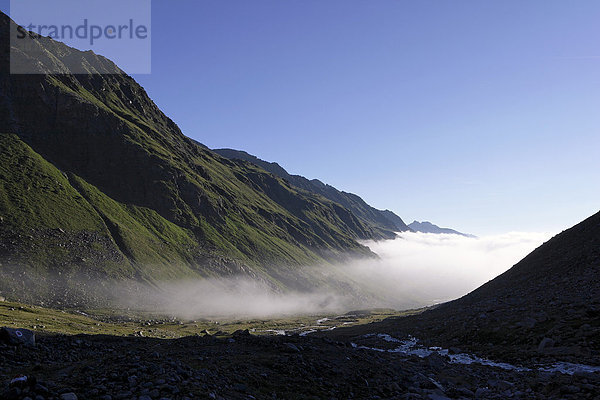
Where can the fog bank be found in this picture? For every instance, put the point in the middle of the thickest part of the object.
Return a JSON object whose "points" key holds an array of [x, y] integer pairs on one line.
{"points": [[426, 268], [413, 270]]}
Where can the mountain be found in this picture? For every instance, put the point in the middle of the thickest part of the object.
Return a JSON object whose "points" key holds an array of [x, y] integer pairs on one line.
{"points": [[428, 227], [96, 181], [382, 224], [546, 308]]}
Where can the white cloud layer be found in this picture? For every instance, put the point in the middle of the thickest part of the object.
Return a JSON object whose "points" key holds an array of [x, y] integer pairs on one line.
{"points": [[413, 270], [424, 268]]}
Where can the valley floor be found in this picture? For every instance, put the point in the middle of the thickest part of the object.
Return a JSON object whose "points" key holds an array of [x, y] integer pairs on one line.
{"points": [[241, 365]]}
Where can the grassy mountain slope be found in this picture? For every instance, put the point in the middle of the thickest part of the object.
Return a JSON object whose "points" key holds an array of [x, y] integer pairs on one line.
{"points": [[381, 223], [91, 154], [35, 198]]}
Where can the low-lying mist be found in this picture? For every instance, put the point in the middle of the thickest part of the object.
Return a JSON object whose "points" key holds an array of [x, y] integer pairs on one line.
{"points": [[230, 298], [413, 270], [430, 268]]}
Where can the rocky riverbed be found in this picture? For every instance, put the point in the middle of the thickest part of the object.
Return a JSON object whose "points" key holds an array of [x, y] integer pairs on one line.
{"points": [[245, 366]]}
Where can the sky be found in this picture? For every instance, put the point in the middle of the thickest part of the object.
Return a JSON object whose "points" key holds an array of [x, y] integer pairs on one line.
{"points": [[482, 116]]}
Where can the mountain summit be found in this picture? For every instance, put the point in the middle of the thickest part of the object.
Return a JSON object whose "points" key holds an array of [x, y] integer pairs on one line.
{"points": [[428, 227]]}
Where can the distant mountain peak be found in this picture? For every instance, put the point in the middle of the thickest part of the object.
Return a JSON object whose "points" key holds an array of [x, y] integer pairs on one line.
{"points": [[428, 227]]}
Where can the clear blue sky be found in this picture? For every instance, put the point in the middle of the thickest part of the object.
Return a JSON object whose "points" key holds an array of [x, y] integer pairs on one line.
{"points": [[479, 115]]}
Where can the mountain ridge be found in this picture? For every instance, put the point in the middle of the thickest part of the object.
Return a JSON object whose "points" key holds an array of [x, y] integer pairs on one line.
{"points": [[385, 222], [428, 227]]}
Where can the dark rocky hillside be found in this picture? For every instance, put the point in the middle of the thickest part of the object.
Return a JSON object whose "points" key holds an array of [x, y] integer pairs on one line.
{"points": [[383, 223], [545, 308], [96, 179]]}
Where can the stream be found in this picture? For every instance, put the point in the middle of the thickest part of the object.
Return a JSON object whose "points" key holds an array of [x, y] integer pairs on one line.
{"points": [[412, 347]]}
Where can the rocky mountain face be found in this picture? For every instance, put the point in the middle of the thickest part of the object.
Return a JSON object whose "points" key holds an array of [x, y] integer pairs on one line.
{"points": [[382, 223], [544, 309], [428, 227], [95, 179]]}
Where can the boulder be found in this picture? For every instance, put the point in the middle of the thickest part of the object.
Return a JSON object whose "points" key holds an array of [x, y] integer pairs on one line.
{"points": [[545, 344], [17, 336], [528, 323], [290, 348]]}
